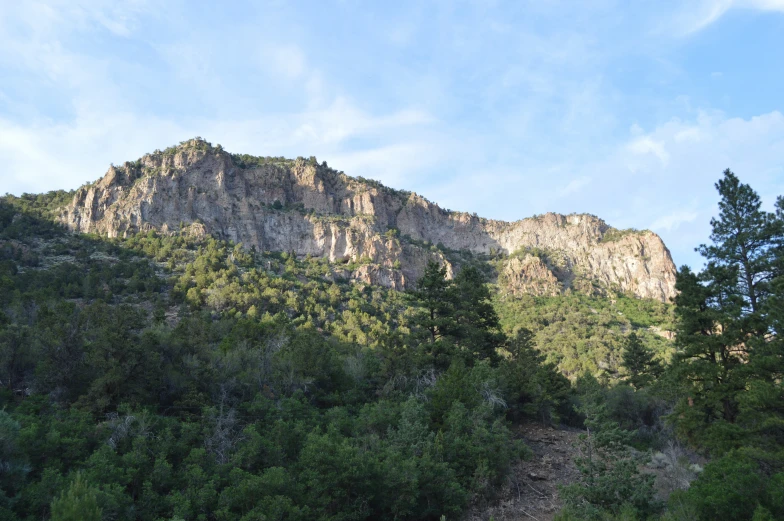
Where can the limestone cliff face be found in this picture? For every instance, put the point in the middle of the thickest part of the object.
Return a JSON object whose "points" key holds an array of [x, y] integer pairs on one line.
{"points": [[300, 206], [529, 275]]}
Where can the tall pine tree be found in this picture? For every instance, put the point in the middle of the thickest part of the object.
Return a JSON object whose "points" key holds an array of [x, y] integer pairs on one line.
{"points": [[435, 320], [641, 367], [744, 243], [433, 295], [456, 317], [477, 327], [723, 315]]}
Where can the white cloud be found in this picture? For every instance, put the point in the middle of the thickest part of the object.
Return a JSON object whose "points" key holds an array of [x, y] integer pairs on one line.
{"points": [[43, 155], [706, 14], [671, 221], [341, 120], [103, 125], [688, 134], [397, 165], [647, 145], [674, 197], [698, 15], [575, 184], [763, 5], [50, 20]]}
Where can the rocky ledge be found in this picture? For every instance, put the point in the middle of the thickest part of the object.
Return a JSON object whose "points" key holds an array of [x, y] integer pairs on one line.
{"points": [[301, 206]]}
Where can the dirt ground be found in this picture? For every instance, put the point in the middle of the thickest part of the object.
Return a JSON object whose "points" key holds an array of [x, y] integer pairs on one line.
{"points": [[531, 492]]}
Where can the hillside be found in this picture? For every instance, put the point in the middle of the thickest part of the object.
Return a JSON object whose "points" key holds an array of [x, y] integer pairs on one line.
{"points": [[386, 236], [173, 374], [203, 346]]}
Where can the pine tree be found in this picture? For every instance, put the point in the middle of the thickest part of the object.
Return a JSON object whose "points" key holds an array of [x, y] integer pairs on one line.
{"points": [[769, 355], [723, 318], [456, 316], [710, 356], [763, 402], [744, 239], [610, 471], [640, 365], [433, 296], [477, 327], [78, 503]]}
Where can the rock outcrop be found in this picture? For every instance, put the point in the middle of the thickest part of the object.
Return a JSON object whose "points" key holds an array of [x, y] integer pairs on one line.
{"points": [[529, 275], [300, 206]]}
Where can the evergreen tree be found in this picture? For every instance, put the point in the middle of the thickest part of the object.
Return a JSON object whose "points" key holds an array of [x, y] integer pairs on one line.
{"points": [[763, 403], [433, 295], [456, 316], [768, 361], [435, 321], [723, 317], [744, 239], [611, 481], [639, 363], [78, 503], [708, 354], [477, 329], [533, 387]]}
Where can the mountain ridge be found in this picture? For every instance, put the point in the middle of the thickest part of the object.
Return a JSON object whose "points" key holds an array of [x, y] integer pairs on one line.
{"points": [[301, 206]]}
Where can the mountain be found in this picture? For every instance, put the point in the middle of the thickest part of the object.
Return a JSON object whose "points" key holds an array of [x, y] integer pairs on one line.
{"points": [[383, 236], [172, 373]]}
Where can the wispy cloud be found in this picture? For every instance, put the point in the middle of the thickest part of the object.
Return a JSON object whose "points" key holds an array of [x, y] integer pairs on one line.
{"points": [[41, 156], [342, 120], [671, 221], [500, 108], [674, 198], [698, 15], [647, 145], [575, 184]]}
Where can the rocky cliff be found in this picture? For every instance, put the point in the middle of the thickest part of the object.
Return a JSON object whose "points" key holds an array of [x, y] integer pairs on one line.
{"points": [[387, 236]]}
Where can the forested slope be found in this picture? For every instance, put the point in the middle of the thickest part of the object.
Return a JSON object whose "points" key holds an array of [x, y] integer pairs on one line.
{"points": [[179, 376], [184, 377]]}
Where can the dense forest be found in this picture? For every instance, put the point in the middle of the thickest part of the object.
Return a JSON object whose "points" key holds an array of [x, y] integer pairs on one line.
{"points": [[179, 377]]}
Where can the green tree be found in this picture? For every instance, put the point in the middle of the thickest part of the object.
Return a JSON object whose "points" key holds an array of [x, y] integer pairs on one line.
{"points": [[611, 481], [435, 320], [533, 387], [744, 239], [456, 316], [762, 402], [16, 356], [78, 503], [731, 488], [641, 367], [434, 297], [476, 327], [13, 466], [722, 315]]}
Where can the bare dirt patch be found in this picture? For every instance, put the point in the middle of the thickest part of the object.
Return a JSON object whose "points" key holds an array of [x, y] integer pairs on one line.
{"points": [[531, 492]]}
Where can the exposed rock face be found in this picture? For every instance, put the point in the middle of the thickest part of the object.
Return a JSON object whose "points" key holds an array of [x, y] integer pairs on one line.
{"points": [[307, 208], [529, 275]]}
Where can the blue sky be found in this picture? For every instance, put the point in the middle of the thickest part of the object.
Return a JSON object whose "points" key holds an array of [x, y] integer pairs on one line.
{"points": [[507, 109]]}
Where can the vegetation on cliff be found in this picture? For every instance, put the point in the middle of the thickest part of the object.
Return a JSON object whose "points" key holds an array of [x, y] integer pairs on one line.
{"points": [[308, 208], [722, 390], [178, 376], [183, 377]]}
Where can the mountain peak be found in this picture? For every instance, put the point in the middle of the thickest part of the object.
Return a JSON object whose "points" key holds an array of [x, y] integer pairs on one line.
{"points": [[386, 236]]}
